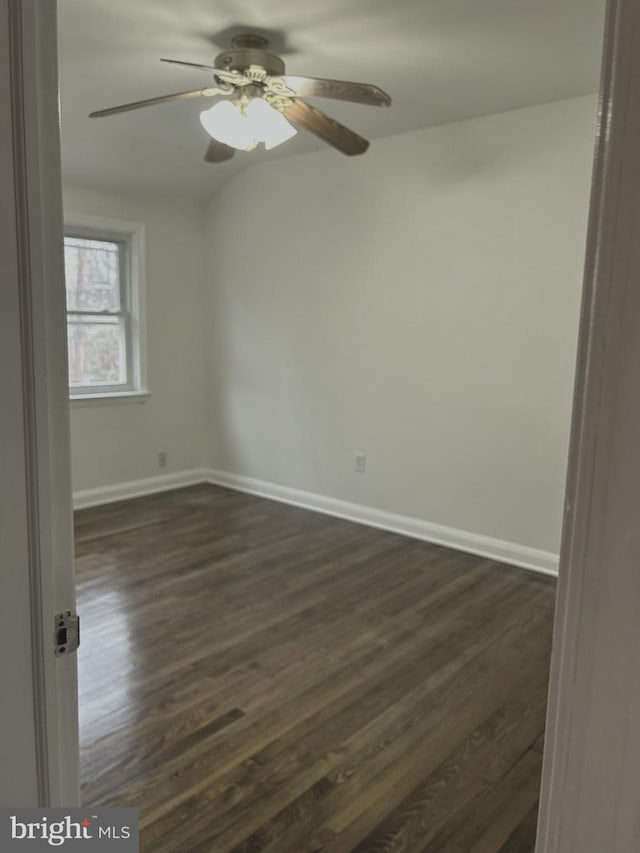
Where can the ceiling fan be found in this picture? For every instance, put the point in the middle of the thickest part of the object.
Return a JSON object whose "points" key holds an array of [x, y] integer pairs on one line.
{"points": [[262, 104]]}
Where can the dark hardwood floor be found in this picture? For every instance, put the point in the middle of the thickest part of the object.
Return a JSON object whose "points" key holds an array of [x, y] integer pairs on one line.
{"points": [[257, 677]]}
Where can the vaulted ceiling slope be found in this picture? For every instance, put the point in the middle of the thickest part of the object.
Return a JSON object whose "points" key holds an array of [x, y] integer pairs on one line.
{"points": [[440, 60]]}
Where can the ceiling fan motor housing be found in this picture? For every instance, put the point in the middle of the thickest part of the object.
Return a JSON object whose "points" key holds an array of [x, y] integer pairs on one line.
{"points": [[248, 53]]}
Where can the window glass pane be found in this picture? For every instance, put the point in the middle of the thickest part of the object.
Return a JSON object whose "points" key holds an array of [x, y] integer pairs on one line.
{"points": [[96, 351], [92, 274]]}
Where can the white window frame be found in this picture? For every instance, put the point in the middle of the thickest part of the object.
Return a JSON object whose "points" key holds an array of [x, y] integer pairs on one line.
{"points": [[132, 235]]}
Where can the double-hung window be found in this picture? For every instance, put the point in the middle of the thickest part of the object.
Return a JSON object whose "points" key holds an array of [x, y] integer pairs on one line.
{"points": [[103, 271]]}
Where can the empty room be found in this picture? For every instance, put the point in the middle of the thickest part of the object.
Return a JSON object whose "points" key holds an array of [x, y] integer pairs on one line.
{"points": [[322, 308]]}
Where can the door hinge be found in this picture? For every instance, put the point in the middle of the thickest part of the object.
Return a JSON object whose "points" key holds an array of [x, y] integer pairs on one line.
{"points": [[66, 637]]}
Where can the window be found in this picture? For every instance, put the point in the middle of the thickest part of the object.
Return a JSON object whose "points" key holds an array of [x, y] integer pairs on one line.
{"points": [[103, 273]]}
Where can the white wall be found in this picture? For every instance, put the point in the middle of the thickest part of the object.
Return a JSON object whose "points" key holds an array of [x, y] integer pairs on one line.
{"points": [[419, 304], [119, 442]]}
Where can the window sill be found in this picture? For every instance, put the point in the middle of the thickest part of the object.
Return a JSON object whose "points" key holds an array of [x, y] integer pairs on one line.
{"points": [[114, 398]]}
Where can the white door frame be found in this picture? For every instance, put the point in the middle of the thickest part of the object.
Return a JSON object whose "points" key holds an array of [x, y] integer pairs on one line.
{"points": [[591, 775], [592, 759], [38, 498]]}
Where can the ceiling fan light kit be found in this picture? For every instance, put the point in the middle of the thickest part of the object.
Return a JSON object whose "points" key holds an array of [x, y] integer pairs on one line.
{"points": [[264, 105], [246, 122]]}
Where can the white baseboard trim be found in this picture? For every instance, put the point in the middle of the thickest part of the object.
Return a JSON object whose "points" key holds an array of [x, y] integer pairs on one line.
{"points": [[137, 488], [461, 540], [544, 562]]}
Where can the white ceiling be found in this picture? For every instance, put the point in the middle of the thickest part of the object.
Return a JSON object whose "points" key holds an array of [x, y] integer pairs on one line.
{"points": [[440, 60]]}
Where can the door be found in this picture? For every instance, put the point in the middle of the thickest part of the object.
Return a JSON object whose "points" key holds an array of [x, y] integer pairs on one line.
{"points": [[38, 723]]}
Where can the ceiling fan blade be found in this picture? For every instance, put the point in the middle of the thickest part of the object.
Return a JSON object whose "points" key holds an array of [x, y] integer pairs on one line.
{"points": [[218, 152], [189, 64], [328, 129], [341, 90], [149, 102], [225, 74]]}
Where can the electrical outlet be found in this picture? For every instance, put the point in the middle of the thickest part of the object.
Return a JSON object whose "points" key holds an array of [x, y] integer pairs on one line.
{"points": [[361, 463], [162, 459]]}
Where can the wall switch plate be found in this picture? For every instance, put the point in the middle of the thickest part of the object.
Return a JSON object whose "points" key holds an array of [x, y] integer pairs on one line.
{"points": [[361, 463]]}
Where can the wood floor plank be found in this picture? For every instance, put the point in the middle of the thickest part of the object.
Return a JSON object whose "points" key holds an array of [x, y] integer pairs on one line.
{"points": [[522, 839], [340, 738], [258, 677], [408, 726], [497, 811], [477, 764]]}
